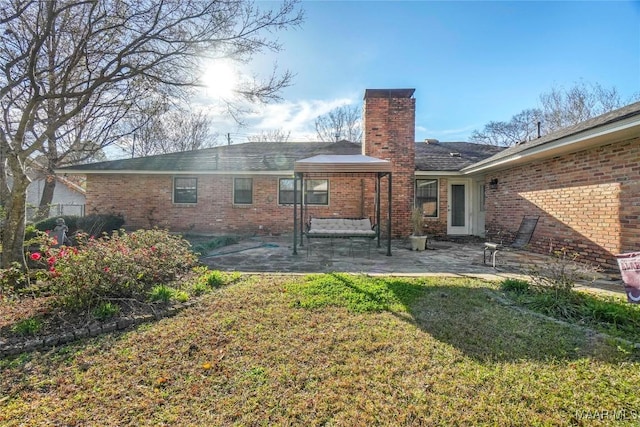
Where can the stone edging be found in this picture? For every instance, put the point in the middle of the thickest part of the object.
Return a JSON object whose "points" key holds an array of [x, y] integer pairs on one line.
{"points": [[38, 343]]}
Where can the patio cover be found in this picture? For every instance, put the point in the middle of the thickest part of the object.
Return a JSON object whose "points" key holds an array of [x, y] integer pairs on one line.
{"points": [[341, 164]]}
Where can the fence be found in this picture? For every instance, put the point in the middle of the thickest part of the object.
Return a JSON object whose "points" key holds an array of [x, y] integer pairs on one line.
{"points": [[58, 209]]}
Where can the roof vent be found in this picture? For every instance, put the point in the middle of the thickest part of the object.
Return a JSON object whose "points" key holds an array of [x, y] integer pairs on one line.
{"points": [[431, 141], [454, 154]]}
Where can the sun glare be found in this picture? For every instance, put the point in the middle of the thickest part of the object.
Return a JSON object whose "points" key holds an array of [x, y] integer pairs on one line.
{"points": [[220, 78]]}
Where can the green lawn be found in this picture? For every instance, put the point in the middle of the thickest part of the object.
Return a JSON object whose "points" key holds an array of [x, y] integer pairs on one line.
{"points": [[333, 350]]}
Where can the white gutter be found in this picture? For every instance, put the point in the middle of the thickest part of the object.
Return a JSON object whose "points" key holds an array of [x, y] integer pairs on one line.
{"points": [[600, 135], [437, 173]]}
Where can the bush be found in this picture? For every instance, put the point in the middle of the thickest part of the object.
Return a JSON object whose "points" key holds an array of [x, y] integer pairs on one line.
{"points": [[98, 224], [561, 272], [514, 285], [216, 278], [93, 225], [27, 327], [121, 265], [161, 293], [50, 223], [106, 310]]}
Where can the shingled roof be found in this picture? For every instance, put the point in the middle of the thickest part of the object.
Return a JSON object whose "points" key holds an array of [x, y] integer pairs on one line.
{"points": [[451, 156], [521, 151], [280, 156], [248, 157]]}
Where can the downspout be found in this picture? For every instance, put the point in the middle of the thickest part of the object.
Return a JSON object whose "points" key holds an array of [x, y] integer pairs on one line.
{"points": [[295, 214], [378, 177], [303, 207], [389, 218]]}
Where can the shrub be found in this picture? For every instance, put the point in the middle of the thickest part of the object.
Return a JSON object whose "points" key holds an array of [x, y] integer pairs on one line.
{"points": [[161, 293], [121, 265], [514, 285], [49, 224], [216, 278], [181, 296], [199, 288], [29, 326], [561, 272], [99, 224], [106, 310], [12, 279]]}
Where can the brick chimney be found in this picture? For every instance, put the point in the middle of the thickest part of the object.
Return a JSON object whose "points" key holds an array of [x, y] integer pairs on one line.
{"points": [[389, 133]]}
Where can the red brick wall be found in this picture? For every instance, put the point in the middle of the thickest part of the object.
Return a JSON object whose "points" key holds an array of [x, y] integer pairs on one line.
{"points": [[389, 133], [588, 202], [146, 201]]}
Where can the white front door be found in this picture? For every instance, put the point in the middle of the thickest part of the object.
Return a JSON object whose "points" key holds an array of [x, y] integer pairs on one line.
{"points": [[458, 207]]}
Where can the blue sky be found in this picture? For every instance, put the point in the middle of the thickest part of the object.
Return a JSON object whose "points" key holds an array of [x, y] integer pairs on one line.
{"points": [[470, 62]]}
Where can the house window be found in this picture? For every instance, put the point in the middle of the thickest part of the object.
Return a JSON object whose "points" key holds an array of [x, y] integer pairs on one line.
{"points": [[185, 190], [285, 191], [427, 196], [482, 197], [242, 191], [317, 192]]}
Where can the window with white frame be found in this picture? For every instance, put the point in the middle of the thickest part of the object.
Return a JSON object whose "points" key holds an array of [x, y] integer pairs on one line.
{"points": [[316, 192], [185, 190], [427, 196], [285, 191], [242, 191]]}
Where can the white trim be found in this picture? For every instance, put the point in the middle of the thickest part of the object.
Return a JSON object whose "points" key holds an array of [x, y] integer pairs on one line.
{"points": [[173, 191], [233, 192], [306, 189], [299, 192], [421, 174], [600, 135], [415, 184], [467, 228]]}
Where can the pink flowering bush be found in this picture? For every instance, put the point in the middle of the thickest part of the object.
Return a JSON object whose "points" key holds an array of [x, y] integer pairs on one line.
{"points": [[122, 265]]}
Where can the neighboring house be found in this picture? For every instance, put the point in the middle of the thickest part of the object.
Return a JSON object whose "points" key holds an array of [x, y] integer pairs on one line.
{"points": [[583, 182], [68, 197]]}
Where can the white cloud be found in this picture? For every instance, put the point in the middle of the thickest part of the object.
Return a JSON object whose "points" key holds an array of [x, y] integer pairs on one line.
{"points": [[296, 117]]}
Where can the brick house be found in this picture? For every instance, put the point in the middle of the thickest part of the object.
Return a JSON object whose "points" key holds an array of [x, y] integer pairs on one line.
{"points": [[583, 182]]}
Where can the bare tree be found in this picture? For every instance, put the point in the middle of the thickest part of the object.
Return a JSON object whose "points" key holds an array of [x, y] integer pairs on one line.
{"points": [[276, 135], [567, 107], [560, 108], [522, 127], [60, 58], [340, 123], [171, 131]]}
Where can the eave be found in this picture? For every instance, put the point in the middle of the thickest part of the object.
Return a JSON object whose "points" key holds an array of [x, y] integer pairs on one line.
{"points": [[618, 131]]}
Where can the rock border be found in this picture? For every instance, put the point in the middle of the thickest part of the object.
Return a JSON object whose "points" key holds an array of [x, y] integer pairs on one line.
{"points": [[29, 344]]}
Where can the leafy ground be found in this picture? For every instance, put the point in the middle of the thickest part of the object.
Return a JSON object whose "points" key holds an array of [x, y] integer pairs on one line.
{"points": [[332, 350]]}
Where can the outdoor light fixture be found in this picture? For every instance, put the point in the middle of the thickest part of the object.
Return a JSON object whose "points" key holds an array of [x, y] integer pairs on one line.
{"points": [[493, 184]]}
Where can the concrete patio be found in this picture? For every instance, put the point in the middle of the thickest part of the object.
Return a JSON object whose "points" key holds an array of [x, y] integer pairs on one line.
{"points": [[442, 258]]}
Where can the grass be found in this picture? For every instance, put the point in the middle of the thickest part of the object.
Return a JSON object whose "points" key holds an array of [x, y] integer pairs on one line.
{"points": [[331, 350]]}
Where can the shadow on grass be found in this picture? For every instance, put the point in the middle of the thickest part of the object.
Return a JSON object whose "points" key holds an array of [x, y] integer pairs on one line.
{"points": [[463, 313], [475, 322]]}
